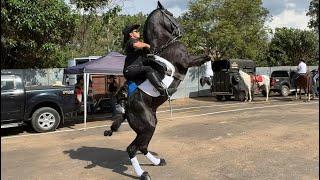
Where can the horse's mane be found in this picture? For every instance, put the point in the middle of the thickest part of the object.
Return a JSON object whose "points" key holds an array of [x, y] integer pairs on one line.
{"points": [[146, 25]]}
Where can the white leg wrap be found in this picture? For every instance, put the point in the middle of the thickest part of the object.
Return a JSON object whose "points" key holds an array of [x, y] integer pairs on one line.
{"points": [[153, 159], [136, 166]]}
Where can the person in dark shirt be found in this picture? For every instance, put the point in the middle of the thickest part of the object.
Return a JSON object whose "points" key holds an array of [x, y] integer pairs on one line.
{"points": [[133, 67], [113, 87]]}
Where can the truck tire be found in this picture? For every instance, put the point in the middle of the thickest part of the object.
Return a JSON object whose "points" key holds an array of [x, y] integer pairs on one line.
{"points": [[264, 93], [219, 97], [241, 96], [45, 119], [227, 97], [285, 91]]}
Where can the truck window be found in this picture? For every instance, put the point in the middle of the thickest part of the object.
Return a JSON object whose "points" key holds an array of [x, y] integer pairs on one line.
{"points": [[279, 74], [7, 84]]}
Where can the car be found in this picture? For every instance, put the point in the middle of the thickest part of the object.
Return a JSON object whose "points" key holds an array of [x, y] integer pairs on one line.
{"points": [[43, 107], [281, 82]]}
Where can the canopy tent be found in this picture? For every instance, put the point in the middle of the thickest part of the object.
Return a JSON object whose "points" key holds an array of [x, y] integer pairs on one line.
{"points": [[111, 64]]}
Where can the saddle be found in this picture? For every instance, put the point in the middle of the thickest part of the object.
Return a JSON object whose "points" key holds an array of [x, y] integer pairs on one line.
{"points": [[165, 71], [256, 78]]}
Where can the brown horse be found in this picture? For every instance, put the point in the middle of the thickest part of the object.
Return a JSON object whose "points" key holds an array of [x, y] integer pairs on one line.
{"points": [[303, 81]]}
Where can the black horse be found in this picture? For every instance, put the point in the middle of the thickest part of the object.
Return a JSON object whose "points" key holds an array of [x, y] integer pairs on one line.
{"points": [[161, 31]]}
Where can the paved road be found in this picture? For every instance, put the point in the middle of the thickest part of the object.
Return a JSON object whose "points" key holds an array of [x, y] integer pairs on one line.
{"points": [[204, 140]]}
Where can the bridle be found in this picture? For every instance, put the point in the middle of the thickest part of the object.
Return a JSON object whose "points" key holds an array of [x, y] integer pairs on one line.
{"points": [[176, 33]]}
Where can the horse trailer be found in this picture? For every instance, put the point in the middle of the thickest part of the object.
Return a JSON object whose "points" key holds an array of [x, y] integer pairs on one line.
{"points": [[227, 81]]}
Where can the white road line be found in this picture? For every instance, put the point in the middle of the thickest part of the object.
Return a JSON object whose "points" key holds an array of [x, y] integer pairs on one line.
{"points": [[54, 132], [219, 105], [197, 115], [234, 110]]}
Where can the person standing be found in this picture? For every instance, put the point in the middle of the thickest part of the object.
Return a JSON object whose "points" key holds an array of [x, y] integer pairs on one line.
{"points": [[113, 87], [208, 74], [315, 79]]}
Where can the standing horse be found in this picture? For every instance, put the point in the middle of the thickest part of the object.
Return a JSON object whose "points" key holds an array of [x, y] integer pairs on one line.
{"points": [[303, 81], [161, 31], [263, 81]]}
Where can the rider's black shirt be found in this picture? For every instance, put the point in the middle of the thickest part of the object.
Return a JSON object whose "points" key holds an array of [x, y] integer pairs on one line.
{"points": [[133, 54]]}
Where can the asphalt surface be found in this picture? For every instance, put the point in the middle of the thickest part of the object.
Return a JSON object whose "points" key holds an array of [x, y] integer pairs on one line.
{"points": [[204, 139]]}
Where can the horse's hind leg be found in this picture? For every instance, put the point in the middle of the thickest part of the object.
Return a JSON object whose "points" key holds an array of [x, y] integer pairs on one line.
{"points": [[143, 147], [132, 151]]}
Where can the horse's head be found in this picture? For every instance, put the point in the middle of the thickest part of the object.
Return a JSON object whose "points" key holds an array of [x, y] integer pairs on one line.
{"points": [[161, 24]]}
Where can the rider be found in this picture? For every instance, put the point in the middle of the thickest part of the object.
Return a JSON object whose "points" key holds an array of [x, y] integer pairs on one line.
{"points": [[133, 67], [301, 70]]}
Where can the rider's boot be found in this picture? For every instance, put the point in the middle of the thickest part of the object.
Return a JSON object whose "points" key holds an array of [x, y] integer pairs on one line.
{"points": [[157, 83]]}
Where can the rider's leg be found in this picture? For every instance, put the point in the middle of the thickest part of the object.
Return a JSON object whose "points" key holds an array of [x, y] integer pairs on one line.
{"points": [[153, 78], [138, 71]]}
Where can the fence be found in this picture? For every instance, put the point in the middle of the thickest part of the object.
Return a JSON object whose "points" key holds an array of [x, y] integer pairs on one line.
{"points": [[189, 87]]}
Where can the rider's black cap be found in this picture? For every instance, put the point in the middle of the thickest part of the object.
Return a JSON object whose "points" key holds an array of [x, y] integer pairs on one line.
{"points": [[128, 29]]}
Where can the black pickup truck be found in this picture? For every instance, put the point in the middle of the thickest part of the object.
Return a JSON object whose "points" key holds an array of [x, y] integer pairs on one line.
{"points": [[44, 107], [281, 82]]}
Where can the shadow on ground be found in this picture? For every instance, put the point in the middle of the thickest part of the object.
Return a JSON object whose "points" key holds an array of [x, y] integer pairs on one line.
{"points": [[116, 160]]}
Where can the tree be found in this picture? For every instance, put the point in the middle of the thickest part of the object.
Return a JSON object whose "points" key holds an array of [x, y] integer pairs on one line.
{"points": [[99, 32], [234, 28], [314, 15], [34, 33], [288, 45]]}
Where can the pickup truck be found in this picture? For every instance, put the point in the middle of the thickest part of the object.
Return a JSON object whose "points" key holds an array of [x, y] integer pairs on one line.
{"points": [[281, 82], [44, 107]]}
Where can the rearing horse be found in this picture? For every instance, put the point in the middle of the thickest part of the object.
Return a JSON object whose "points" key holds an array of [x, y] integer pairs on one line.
{"points": [[161, 31]]}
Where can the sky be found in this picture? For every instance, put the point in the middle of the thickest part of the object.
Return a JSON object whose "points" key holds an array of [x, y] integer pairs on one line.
{"points": [[284, 13]]}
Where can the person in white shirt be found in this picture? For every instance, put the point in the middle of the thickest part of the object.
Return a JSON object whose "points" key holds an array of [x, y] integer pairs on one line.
{"points": [[302, 67], [301, 70], [208, 74]]}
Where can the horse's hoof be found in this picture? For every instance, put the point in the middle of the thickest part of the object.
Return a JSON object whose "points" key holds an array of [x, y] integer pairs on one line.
{"points": [[145, 176], [107, 133], [162, 162]]}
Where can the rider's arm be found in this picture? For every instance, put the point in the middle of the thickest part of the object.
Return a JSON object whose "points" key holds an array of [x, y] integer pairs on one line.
{"points": [[140, 45]]}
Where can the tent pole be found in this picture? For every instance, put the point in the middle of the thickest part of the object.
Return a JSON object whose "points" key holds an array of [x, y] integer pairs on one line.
{"points": [[85, 100]]}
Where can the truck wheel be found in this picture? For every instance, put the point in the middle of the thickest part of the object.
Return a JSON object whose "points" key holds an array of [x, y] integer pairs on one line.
{"points": [[228, 98], [219, 97], [241, 96], [45, 119], [285, 91]]}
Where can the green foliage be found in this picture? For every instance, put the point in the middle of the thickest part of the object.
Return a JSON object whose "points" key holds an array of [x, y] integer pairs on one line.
{"points": [[34, 32], [289, 45], [101, 34], [234, 28], [314, 15], [90, 5]]}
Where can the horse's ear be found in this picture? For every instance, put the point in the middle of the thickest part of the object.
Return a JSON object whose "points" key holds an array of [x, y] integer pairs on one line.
{"points": [[160, 5]]}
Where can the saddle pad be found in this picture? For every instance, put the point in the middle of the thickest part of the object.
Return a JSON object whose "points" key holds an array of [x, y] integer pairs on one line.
{"points": [[258, 78], [147, 87], [132, 87]]}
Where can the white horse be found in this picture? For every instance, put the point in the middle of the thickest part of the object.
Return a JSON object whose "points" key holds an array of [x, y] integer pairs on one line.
{"points": [[247, 81], [263, 81]]}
